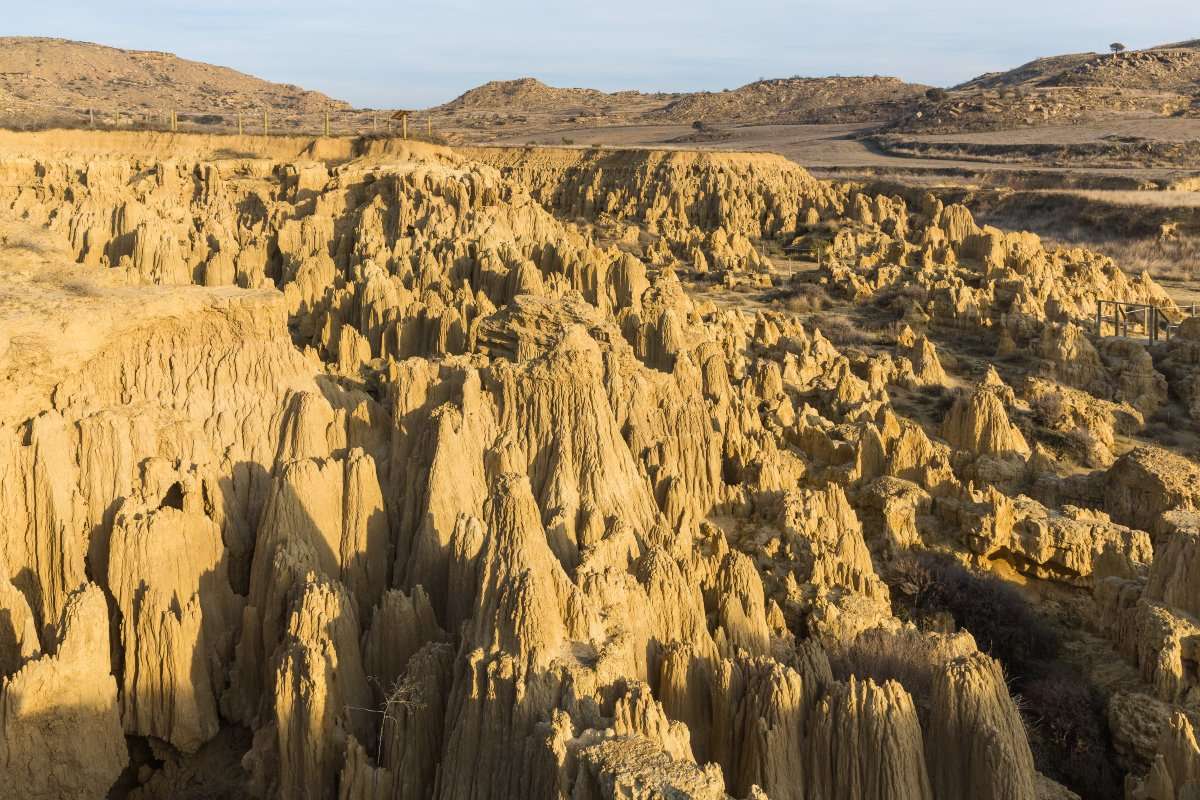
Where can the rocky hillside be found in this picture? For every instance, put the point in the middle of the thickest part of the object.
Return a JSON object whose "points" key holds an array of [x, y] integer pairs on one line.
{"points": [[835, 99], [441, 473], [1065, 90], [1033, 72], [1162, 68], [530, 94], [1159, 69], [530, 103], [56, 74]]}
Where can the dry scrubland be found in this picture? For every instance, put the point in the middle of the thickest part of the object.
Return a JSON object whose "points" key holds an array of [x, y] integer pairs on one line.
{"points": [[375, 469]]}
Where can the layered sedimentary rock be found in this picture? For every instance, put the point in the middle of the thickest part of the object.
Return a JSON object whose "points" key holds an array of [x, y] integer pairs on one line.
{"points": [[60, 729], [430, 472], [168, 573]]}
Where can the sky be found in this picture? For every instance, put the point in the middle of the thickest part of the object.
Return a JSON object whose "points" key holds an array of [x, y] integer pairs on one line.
{"points": [[417, 53]]}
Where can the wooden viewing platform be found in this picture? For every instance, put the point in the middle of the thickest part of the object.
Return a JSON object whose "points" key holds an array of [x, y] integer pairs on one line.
{"points": [[1139, 319]]}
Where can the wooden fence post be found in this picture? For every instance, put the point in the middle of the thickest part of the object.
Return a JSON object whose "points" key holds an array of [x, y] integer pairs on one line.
{"points": [[92, 117], [404, 125], [326, 122], [239, 123], [266, 125]]}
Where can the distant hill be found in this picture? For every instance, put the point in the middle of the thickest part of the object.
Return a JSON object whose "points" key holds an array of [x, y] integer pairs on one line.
{"points": [[1168, 67], [777, 100], [40, 73], [45, 82], [797, 100], [1079, 88], [530, 94], [1035, 71], [1158, 69]]}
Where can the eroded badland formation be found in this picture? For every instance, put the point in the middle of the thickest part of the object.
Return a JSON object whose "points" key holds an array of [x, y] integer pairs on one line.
{"points": [[369, 469]]}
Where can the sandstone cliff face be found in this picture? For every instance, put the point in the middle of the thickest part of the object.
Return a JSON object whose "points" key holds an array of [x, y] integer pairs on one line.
{"points": [[434, 495], [60, 721]]}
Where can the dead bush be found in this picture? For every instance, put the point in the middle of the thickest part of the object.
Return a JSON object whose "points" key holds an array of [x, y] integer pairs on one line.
{"points": [[1064, 715], [22, 243], [993, 611], [900, 298], [807, 298], [1068, 733], [843, 332], [908, 657]]}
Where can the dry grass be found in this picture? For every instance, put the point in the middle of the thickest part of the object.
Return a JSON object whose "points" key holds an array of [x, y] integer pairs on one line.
{"points": [[807, 298], [1136, 244], [22, 242], [844, 331], [908, 657], [1132, 198], [1174, 259]]}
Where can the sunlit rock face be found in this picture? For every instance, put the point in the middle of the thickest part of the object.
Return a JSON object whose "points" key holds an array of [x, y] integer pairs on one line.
{"points": [[432, 473]]}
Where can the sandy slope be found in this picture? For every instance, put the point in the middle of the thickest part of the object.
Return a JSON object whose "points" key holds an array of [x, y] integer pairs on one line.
{"points": [[36, 72]]}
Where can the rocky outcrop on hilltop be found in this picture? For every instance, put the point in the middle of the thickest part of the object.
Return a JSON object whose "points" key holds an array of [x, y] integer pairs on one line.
{"points": [[431, 493], [524, 94]]}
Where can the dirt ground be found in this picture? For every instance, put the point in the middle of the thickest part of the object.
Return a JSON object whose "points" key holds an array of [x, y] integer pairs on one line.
{"points": [[846, 146]]}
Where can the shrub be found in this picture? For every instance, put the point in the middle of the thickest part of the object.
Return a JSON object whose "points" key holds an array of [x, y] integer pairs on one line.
{"points": [[934, 391], [1064, 715], [203, 119], [993, 611], [901, 297], [844, 332], [907, 656], [22, 243], [1068, 733], [936, 95], [807, 298]]}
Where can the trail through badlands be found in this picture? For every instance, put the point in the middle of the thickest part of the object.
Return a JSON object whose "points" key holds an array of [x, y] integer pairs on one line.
{"points": [[373, 469]]}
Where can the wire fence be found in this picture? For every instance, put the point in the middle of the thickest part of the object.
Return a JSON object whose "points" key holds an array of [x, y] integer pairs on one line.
{"points": [[21, 114]]}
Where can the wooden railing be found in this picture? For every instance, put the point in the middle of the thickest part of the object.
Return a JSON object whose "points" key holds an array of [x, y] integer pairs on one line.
{"points": [[1139, 319]]}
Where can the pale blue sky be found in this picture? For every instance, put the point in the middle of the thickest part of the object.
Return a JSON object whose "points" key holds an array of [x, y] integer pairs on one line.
{"points": [[420, 52]]}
